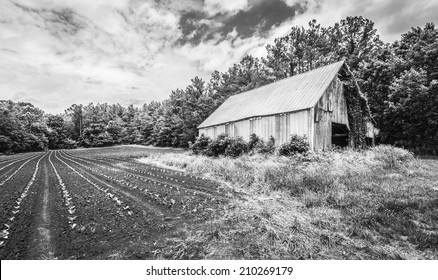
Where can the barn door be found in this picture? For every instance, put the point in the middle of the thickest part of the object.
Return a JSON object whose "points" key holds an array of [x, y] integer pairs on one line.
{"points": [[339, 135]]}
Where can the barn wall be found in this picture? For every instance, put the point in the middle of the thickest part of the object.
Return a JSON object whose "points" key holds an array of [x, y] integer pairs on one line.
{"points": [[332, 107], [297, 123], [323, 131], [242, 129], [339, 112], [279, 126]]}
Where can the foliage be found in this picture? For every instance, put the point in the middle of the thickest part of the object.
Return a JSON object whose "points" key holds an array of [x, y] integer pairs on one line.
{"points": [[200, 145], [218, 146], [296, 144], [22, 128], [237, 147], [253, 141], [232, 146], [262, 147], [357, 109]]}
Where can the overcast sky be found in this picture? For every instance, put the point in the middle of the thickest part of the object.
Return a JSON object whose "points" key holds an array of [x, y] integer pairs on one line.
{"points": [[54, 53]]}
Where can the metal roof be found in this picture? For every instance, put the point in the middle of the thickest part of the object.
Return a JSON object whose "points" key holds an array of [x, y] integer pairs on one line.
{"points": [[295, 93]]}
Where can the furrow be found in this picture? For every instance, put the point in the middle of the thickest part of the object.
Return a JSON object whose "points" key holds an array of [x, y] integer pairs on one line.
{"points": [[16, 171], [112, 196], [10, 221], [171, 197], [149, 177], [21, 157], [66, 197]]}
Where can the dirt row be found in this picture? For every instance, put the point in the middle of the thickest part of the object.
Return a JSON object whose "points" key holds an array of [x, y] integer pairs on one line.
{"points": [[61, 205]]}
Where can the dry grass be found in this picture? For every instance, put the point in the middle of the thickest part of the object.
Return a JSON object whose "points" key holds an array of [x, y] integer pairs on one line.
{"points": [[376, 204]]}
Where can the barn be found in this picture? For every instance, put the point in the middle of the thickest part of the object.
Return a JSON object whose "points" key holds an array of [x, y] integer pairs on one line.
{"points": [[324, 104]]}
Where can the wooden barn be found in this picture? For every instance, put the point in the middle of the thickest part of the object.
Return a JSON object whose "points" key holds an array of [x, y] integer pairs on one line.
{"points": [[324, 104]]}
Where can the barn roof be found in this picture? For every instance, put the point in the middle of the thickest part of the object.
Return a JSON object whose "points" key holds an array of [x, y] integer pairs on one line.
{"points": [[295, 93]]}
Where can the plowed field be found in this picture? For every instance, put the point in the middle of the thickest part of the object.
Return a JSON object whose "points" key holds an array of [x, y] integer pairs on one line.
{"points": [[97, 204]]}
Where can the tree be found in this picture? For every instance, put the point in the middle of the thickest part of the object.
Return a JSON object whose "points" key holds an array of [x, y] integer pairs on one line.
{"points": [[76, 114], [411, 117]]}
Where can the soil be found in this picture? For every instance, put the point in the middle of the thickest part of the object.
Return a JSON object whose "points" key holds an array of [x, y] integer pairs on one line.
{"points": [[97, 205]]}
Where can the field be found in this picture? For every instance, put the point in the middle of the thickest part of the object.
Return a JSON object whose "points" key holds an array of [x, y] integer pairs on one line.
{"points": [[97, 204], [380, 203], [132, 202]]}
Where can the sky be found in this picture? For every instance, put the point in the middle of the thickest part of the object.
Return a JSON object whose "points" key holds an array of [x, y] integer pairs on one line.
{"points": [[55, 53]]}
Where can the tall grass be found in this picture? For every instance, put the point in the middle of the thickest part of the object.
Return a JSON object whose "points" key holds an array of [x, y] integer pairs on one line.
{"points": [[373, 204]]}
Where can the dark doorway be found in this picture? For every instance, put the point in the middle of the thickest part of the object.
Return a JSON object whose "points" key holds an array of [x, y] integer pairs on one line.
{"points": [[339, 135]]}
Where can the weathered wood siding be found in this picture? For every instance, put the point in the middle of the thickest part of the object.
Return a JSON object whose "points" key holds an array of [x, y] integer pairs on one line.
{"points": [[331, 108], [279, 126]]}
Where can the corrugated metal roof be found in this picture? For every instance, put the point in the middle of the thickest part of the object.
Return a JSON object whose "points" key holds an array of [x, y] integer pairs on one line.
{"points": [[295, 93]]}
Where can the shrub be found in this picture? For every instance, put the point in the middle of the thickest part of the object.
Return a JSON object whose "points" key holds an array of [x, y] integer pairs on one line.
{"points": [[200, 145], [218, 146], [265, 148], [253, 141], [237, 147], [223, 145], [296, 144]]}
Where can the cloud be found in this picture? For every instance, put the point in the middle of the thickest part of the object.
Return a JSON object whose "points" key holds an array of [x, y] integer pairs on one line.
{"points": [[214, 7], [219, 54], [80, 53], [391, 17], [255, 20]]}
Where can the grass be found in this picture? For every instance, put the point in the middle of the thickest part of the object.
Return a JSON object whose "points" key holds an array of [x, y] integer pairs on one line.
{"points": [[376, 204]]}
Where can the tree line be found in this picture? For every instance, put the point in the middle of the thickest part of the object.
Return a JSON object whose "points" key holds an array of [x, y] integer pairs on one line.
{"points": [[400, 81]]}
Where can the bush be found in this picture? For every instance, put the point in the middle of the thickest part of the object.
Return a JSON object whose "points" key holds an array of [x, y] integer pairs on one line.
{"points": [[265, 148], [297, 144], [237, 147], [253, 141], [217, 147], [200, 145], [223, 145]]}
